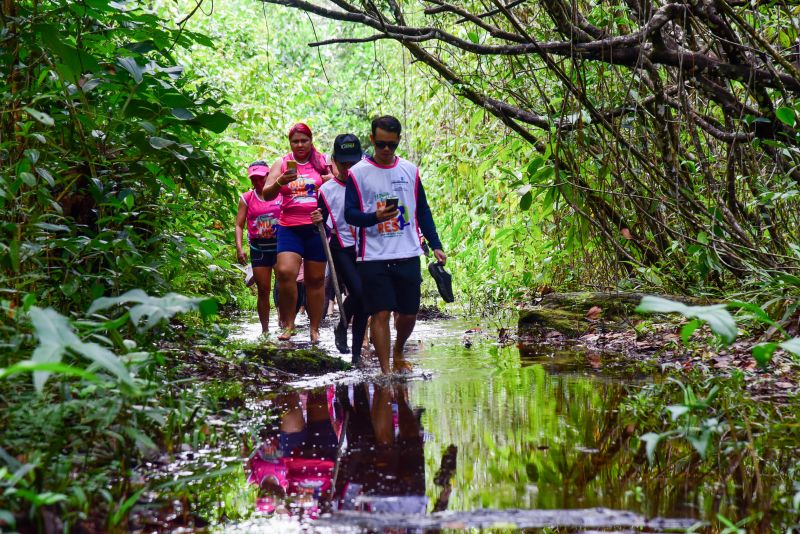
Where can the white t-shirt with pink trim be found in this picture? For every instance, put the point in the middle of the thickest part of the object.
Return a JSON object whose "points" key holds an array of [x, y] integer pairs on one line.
{"points": [[396, 238]]}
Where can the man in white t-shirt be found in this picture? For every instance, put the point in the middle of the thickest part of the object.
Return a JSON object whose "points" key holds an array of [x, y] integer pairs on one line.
{"points": [[386, 202]]}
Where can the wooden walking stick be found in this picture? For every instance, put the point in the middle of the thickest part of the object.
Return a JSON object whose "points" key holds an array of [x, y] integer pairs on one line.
{"points": [[327, 247]]}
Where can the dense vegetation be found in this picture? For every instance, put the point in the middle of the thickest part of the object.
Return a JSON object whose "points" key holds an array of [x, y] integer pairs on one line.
{"points": [[662, 135], [126, 126]]}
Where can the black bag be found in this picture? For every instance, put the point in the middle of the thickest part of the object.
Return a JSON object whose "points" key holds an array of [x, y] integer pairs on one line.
{"points": [[444, 282]]}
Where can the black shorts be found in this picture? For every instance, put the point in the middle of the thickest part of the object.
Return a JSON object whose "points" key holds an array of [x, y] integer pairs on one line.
{"points": [[263, 252], [391, 285]]}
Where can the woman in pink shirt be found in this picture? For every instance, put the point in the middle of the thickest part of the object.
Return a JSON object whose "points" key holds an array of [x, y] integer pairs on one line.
{"points": [[261, 218], [296, 177]]}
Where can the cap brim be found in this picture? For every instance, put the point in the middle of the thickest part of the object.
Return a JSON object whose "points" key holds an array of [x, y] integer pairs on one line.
{"points": [[348, 158]]}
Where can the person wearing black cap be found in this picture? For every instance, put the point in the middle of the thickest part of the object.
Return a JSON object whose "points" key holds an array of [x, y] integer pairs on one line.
{"points": [[330, 209]]}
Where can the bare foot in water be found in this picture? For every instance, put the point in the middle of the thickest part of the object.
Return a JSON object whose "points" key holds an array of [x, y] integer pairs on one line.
{"points": [[287, 333], [400, 364], [314, 337]]}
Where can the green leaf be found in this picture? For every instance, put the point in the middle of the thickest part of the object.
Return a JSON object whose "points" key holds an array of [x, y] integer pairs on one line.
{"points": [[40, 116], [153, 309], [182, 114], [700, 443], [56, 336], [130, 65], [757, 311], [792, 345], [677, 410], [526, 201], [762, 353], [473, 36], [30, 366], [688, 329], [208, 307], [120, 513], [216, 122], [785, 115], [719, 320], [28, 178], [159, 142], [651, 440], [44, 173], [52, 227]]}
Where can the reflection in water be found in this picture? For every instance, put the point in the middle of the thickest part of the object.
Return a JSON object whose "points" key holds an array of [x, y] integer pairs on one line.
{"points": [[360, 448], [383, 469], [294, 467]]}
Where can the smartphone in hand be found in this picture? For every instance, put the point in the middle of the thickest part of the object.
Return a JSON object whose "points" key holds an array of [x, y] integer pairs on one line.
{"points": [[392, 202]]}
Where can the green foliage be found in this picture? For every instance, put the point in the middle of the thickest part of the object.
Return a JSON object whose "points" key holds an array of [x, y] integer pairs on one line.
{"points": [[110, 174], [717, 317], [690, 420], [98, 400]]}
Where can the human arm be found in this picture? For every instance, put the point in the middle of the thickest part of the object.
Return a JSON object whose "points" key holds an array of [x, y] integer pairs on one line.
{"points": [[277, 179], [352, 209], [241, 221], [428, 227], [321, 213]]}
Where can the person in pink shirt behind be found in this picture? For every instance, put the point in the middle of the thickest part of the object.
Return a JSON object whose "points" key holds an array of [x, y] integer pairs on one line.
{"points": [[296, 177], [261, 218]]}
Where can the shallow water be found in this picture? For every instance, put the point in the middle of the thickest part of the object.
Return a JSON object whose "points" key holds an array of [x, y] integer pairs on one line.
{"points": [[517, 435]]}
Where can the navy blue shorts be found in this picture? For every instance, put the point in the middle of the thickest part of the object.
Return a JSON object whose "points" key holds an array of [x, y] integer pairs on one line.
{"points": [[317, 440], [263, 252], [303, 240], [391, 285]]}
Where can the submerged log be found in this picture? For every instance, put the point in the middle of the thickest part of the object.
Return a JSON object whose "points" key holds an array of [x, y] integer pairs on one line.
{"points": [[575, 314]]}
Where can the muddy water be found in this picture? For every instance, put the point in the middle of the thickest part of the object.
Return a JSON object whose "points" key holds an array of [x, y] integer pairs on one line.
{"points": [[480, 435]]}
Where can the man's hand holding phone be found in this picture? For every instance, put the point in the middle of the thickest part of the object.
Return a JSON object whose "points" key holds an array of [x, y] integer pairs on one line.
{"points": [[389, 209]]}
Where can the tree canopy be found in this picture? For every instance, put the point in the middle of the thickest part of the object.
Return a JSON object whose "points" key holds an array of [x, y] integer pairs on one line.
{"points": [[668, 126]]}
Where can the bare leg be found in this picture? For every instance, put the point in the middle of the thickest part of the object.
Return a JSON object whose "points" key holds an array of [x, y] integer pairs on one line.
{"points": [[404, 325], [379, 330], [367, 336], [287, 268], [263, 276], [315, 295], [292, 419], [382, 414]]}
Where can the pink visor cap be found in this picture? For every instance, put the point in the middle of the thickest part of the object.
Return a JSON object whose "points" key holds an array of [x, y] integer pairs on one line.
{"points": [[257, 170]]}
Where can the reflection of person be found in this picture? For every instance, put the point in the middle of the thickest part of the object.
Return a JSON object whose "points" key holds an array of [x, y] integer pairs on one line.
{"points": [[298, 239], [261, 218], [383, 469], [388, 242], [346, 153], [294, 469]]}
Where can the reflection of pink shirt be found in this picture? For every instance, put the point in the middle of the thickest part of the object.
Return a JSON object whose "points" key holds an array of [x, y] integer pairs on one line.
{"points": [[262, 216], [299, 198]]}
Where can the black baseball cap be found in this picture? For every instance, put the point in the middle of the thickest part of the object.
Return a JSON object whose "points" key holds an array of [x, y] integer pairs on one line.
{"points": [[347, 148]]}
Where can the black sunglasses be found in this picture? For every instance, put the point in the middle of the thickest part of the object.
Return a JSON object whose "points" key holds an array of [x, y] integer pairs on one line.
{"points": [[384, 144]]}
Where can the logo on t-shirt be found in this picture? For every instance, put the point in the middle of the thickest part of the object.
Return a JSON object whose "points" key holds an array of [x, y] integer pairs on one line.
{"points": [[392, 227], [303, 190], [264, 226]]}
